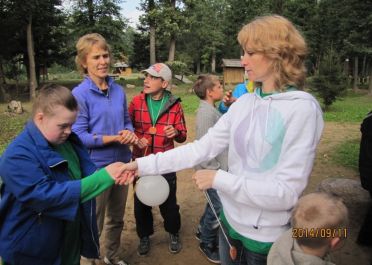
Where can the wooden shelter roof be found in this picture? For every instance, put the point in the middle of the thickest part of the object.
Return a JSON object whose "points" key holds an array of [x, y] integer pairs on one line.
{"points": [[232, 63]]}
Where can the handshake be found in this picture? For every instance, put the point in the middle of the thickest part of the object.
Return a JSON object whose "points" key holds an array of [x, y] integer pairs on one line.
{"points": [[125, 174], [121, 173]]}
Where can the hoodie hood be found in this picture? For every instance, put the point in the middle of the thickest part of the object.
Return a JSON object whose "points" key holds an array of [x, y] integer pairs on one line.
{"points": [[286, 251], [289, 95]]}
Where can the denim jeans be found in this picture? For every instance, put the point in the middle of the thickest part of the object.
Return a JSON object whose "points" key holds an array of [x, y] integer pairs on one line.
{"points": [[243, 257], [208, 224]]}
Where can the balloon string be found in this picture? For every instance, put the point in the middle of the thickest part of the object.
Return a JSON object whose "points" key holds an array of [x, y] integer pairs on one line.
{"points": [[144, 153], [218, 219], [134, 186]]}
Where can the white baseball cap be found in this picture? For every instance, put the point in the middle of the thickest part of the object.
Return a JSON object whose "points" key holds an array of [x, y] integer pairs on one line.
{"points": [[160, 70]]}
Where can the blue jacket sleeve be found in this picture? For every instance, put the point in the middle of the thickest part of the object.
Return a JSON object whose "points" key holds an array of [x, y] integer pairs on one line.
{"points": [[239, 90], [28, 181], [222, 108]]}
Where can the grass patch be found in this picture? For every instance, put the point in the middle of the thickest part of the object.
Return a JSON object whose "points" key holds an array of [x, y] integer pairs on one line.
{"points": [[353, 108], [10, 126], [347, 154]]}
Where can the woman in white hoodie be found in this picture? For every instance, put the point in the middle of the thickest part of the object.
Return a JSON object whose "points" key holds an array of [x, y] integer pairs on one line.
{"points": [[271, 134]]}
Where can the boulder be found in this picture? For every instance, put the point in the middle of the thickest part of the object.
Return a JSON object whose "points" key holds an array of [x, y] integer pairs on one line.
{"points": [[354, 196], [15, 106]]}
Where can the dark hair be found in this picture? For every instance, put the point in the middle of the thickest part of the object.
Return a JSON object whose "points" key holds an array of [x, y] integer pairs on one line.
{"points": [[52, 95], [204, 83]]}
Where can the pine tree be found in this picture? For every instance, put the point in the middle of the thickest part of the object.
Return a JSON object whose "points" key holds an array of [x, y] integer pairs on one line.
{"points": [[329, 82]]}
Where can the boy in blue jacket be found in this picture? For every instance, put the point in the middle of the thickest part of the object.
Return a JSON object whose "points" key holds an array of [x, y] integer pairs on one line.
{"points": [[49, 183]]}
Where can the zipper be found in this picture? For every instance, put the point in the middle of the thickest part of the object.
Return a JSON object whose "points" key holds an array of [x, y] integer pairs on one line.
{"points": [[39, 215], [63, 161], [91, 228]]}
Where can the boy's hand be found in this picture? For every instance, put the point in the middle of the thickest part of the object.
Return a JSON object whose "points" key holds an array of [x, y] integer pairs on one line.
{"points": [[204, 178], [142, 143], [170, 131], [127, 173], [127, 137], [228, 99], [115, 170]]}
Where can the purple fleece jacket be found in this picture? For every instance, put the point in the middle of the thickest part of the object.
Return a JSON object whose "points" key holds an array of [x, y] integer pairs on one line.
{"points": [[99, 115]]}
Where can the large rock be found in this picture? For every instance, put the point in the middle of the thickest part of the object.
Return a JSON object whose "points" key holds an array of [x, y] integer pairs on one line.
{"points": [[354, 196], [15, 107]]}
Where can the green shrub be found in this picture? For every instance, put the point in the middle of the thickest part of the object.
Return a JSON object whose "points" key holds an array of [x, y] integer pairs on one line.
{"points": [[329, 82]]}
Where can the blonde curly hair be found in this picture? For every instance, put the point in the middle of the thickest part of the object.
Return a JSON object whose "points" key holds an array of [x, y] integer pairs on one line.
{"points": [[277, 39]]}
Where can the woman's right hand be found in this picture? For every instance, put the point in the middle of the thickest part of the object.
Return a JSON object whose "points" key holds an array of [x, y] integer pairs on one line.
{"points": [[127, 137]]}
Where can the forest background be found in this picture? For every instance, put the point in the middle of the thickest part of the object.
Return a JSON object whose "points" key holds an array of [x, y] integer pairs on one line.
{"points": [[37, 37]]}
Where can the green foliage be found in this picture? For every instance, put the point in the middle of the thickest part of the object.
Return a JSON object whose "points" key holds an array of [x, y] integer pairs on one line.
{"points": [[205, 39], [61, 72], [141, 51], [177, 67], [347, 154], [168, 16], [49, 41], [329, 82], [103, 17], [238, 13]]}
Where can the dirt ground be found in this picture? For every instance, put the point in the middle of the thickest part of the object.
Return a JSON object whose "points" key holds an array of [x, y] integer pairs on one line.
{"points": [[192, 203]]}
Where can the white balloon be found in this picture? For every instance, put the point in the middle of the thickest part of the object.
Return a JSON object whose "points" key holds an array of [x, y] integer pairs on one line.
{"points": [[152, 190]]}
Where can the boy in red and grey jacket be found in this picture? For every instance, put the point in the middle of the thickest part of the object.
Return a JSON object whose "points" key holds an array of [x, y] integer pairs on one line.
{"points": [[158, 121]]}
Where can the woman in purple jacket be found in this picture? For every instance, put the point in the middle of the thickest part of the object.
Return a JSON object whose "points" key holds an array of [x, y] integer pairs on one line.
{"points": [[104, 126]]}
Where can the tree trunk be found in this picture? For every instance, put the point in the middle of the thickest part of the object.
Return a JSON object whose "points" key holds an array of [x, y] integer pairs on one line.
{"points": [[355, 73], [277, 7], [172, 42], [370, 81], [31, 59], [364, 70], [2, 75], [198, 67], [4, 96], [213, 63], [152, 45], [172, 49], [90, 12], [151, 6]]}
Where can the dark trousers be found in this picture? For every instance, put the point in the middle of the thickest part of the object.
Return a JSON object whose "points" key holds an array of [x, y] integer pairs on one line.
{"points": [[169, 210], [365, 232]]}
